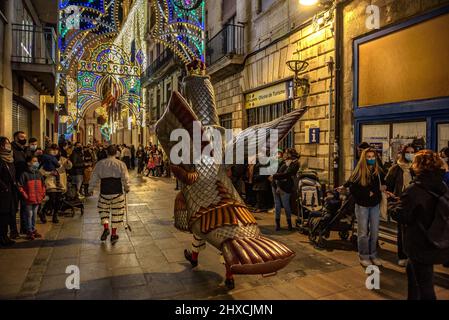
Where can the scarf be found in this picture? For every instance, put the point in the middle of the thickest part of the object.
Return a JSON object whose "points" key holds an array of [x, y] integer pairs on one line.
{"points": [[6, 156], [406, 175]]}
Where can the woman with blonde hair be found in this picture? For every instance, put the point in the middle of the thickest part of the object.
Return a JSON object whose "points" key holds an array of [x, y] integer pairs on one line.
{"points": [[366, 185]]}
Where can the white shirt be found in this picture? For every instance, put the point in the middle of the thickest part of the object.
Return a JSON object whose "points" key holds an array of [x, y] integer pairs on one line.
{"points": [[110, 168]]}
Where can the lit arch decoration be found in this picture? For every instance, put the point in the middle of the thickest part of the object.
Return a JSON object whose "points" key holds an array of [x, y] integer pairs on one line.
{"points": [[80, 21], [106, 63], [180, 26]]}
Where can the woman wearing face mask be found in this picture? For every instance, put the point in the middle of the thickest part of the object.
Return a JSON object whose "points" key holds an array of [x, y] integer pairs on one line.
{"points": [[398, 179], [8, 190], [366, 185]]}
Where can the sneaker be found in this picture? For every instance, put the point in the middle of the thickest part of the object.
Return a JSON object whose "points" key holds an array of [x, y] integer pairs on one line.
{"points": [[402, 262], [365, 263], [105, 235], [377, 262], [188, 256]]}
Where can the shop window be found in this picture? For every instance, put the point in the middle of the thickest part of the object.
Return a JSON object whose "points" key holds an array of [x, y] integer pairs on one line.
{"points": [[388, 139], [226, 120], [269, 113], [443, 136]]}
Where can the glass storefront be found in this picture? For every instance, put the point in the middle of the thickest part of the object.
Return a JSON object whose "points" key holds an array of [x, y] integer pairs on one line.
{"points": [[388, 139]]}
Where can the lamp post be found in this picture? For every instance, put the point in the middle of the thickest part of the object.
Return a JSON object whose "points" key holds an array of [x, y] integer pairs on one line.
{"points": [[298, 66]]}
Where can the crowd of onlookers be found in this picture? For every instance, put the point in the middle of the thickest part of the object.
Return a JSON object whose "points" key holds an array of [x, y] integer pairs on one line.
{"points": [[408, 191], [34, 180]]}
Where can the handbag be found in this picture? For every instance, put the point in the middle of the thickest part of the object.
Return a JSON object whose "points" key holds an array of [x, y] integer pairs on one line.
{"points": [[383, 203]]}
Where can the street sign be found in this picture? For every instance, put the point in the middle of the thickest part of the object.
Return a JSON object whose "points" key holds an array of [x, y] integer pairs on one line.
{"points": [[314, 135]]}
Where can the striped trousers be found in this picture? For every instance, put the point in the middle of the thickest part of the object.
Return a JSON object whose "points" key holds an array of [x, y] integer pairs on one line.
{"points": [[198, 244], [111, 207]]}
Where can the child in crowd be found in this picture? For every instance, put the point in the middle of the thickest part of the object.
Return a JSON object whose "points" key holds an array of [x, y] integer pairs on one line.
{"points": [[32, 189], [50, 164]]}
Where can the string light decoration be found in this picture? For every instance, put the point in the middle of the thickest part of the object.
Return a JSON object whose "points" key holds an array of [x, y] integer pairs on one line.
{"points": [[93, 46], [180, 26]]}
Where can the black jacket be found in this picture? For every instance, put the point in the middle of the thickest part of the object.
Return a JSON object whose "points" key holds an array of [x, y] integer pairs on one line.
{"points": [[395, 179], [20, 154], [77, 159], [285, 176], [260, 182], [361, 193], [8, 188], [416, 210]]}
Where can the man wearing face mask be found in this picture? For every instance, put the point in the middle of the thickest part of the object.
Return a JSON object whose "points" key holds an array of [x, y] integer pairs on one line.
{"points": [[34, 150], [19, 149]]}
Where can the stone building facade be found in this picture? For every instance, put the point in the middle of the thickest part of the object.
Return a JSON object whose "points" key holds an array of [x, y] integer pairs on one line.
{"points": [[27, 68], [407, 112], [274, 33]]}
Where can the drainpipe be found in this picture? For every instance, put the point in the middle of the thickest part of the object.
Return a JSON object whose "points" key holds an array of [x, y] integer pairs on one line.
{"points": [[338, 88]]}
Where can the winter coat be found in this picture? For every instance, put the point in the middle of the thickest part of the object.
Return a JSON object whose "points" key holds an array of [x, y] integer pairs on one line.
{"points": [[395, 179], [8, 188], [20, 154], [415, 210], [32, 187], [50, 180], [77, 160], [361, 193], [284, 178]]}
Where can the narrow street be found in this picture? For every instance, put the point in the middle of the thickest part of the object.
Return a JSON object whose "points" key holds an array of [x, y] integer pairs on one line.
{"points": [[148, 263]]}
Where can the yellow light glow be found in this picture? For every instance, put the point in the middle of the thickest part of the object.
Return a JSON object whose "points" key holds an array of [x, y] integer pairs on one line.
{"points": [[308, 2]]}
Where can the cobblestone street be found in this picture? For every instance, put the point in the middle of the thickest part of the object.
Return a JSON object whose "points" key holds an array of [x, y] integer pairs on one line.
{"points": [[148, 263]]}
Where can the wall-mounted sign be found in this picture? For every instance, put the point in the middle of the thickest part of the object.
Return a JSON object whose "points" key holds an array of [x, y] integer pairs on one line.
{"points": [[314, 135], [312, 131], [270, 95]]}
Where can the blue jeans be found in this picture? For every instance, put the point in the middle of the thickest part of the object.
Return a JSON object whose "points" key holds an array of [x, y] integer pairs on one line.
{"points": [[31, 217], [367, 231], [282, 200]]}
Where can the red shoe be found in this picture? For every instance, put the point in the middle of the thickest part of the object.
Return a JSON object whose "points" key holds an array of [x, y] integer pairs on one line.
{"points": [[37, 234], [30, 236]]}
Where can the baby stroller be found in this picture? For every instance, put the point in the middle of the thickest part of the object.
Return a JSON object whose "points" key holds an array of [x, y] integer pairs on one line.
{"points": [[68, 201], [71, 201], [310, 200], [337, 215]]}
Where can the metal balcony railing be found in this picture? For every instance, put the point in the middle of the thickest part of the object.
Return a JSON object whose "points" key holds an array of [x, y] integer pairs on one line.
{"points": [[33, 44], [228, 41], [157, 64]]}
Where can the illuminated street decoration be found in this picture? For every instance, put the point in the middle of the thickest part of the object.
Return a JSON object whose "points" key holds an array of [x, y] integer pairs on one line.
{"points": [[180, 26], [101, 58]]}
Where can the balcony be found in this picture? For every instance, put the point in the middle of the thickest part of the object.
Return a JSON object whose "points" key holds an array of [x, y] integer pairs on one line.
{"points": [[34, 55], [225, 52], [159, 67]]}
